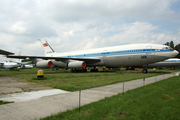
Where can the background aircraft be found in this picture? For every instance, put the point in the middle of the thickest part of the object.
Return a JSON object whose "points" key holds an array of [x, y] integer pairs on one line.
{"points": [[111, 57], [26, 66], [173, 62], [9, 65], [15, 65]]}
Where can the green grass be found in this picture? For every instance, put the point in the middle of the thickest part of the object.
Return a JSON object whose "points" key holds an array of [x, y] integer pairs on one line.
{"points": [[158, 101], [78, 81], [4, 102]]}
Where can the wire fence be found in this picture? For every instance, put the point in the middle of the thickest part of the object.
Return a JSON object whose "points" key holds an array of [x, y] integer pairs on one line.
{"points": [[140, 83]]}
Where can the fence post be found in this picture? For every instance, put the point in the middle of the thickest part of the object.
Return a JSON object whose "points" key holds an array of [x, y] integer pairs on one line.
{"points": [[123, 88], [79, 100], [156, 78], [144, 81]]}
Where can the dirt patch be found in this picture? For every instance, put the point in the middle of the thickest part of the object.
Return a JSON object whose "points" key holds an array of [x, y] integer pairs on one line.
{"points": [[9, 86]]}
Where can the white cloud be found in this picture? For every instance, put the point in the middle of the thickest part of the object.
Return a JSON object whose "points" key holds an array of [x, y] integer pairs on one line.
{"points": [[65, 11], [18, 27], [83, 24]]}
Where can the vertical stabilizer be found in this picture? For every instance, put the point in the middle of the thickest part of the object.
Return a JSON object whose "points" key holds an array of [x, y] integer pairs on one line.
{"points": [[46, 47]]}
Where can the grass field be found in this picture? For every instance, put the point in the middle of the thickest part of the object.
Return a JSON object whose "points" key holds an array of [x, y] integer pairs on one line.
{"points": [[157, 101], [65, 80]]}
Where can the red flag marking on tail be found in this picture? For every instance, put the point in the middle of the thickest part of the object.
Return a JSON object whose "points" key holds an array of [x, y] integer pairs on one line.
{"points": [[45, 44]]}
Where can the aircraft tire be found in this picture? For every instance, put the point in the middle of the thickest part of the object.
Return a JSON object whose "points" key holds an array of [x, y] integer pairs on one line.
{"points": [[94, 70], [84, 70], [144, 71]]}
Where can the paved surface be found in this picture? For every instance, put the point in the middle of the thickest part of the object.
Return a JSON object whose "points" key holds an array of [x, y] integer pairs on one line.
{"points": [[28, 96], [46, 106]]}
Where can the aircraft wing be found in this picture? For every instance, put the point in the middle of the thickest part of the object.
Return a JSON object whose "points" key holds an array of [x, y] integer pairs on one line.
{"points": [[63, 59], [22, 63], [3, 52]]}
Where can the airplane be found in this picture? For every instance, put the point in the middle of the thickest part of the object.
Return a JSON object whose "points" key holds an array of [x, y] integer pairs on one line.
{"points": [[26, 66], [132, 55], [23, 65], [172, 62], [12, 65], [8, 65]]}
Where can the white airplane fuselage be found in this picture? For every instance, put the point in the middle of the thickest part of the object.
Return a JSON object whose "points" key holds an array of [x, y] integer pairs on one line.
{"points": [[125, 55]]}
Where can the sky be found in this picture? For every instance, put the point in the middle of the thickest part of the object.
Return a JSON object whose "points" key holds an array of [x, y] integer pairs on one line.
{"points": [[70, 25]]}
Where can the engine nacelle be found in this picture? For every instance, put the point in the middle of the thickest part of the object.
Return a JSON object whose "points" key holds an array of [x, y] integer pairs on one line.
{"points": [[59, 64], [44, 64], [76, 64]]}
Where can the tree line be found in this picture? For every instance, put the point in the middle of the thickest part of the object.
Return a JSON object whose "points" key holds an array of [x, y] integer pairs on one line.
{"points": [[175, 47]]}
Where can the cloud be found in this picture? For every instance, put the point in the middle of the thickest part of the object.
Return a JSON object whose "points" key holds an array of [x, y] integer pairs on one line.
{"points": [[66, 11], [18, 27], [70, 25]]}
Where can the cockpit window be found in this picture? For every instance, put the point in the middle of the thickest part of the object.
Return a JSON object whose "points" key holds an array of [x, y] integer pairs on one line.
{"points": [[167, 48]]}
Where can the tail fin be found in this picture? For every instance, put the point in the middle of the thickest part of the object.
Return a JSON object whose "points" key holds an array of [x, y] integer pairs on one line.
{"points": [[47, 48]]}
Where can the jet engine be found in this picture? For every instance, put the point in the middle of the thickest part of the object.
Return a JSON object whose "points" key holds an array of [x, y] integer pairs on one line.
{"points": [[44, 64], [59, 64], [76, 64]]}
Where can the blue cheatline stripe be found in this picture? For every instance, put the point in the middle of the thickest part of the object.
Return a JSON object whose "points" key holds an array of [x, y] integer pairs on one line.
{"points": [[123, 52], [171, 61]]}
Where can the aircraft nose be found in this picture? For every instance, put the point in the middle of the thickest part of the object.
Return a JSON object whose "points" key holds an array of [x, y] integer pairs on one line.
{"points": [[175, 53]]}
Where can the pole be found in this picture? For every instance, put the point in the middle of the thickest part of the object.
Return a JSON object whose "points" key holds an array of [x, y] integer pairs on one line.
{"points": [[163, 76], [79, 100], [156, 78], [144, 81], [123, 88]]}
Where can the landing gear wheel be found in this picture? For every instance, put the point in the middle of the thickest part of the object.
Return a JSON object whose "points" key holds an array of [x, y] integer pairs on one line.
{"points": [[145, 71], [84, 70], [94, 70]]}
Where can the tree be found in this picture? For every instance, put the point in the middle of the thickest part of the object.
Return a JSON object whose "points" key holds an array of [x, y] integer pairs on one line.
{"points": [[171, 44], [25, 60], [167, 43], [177, 47]]}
